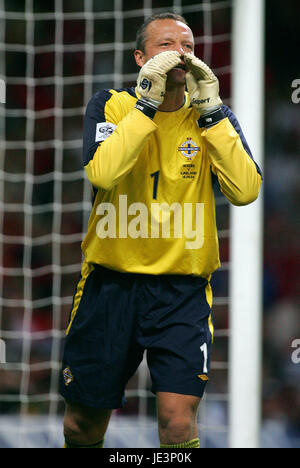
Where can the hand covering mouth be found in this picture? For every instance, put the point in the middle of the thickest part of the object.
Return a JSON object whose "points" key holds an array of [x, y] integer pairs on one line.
{"points": [[181, 66]]}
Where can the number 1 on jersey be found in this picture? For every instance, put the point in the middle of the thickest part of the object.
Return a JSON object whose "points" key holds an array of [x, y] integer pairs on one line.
{"points": [[204, 351], [155, 176]]}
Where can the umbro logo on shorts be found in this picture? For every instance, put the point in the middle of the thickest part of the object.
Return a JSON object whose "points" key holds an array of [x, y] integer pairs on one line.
{"points": [[203, 377]]}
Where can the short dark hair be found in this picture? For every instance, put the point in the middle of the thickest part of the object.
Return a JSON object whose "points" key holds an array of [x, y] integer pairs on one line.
{"points": [[141, 33]]}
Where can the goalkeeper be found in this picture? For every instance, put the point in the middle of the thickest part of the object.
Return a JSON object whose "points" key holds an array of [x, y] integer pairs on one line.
{"points": [[152, 154]]}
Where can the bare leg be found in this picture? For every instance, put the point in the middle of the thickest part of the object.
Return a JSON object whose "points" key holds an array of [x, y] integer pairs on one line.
{"points": [[83, 425], [177, 417]]}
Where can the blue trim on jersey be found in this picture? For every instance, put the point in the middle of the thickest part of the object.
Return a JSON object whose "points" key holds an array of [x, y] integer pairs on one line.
{"points": [[95, 113], [130, 91], [235, 123]]}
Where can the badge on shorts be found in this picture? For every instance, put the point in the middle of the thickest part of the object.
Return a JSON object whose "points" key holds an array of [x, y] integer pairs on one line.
{"points": [[104, 130], [68, 377]]}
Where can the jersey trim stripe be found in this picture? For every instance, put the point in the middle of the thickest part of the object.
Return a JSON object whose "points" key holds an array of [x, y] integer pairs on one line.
{"points": [[96, 107], [234, 122], [209, 298], [95, 113], [85, 272]]}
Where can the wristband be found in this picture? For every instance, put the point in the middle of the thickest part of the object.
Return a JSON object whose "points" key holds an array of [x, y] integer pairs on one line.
{"points": [[148, 109], [211, 118]]}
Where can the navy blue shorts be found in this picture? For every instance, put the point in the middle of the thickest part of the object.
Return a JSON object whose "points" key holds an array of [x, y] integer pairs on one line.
{"points": [[116, 317]]}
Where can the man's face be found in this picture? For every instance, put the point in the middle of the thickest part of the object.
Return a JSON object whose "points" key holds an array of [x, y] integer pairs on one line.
{"points": [[163, 35]]}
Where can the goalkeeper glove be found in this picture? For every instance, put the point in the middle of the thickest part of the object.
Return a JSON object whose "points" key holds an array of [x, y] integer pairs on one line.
{"points": [[151, 82], [203, 86]]}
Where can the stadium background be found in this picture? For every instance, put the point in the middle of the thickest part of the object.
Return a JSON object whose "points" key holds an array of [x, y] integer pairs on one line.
{"points": [[42, 193]]}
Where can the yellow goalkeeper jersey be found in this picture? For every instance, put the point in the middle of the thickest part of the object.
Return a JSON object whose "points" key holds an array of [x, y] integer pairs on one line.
{"points": [[153, 209]]}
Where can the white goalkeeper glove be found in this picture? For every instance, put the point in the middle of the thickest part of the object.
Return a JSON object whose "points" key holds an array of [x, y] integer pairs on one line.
{"points": [[202, 85], [151, 82]]}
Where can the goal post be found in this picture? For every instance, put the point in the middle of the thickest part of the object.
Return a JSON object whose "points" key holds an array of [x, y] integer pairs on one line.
{"points": [[246, 248]]}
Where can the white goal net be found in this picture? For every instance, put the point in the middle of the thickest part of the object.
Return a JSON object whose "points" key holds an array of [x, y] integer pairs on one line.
{"points": [[53, 56]]}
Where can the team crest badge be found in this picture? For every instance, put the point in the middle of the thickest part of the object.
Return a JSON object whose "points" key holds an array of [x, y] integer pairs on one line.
{"points": [[68, 377], [189, 149]]}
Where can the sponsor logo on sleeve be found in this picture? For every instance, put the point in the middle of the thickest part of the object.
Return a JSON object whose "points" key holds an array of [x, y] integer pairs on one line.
{"points": [[104, 130]]}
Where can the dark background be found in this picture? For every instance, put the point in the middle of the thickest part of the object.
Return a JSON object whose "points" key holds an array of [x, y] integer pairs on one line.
{"points": [[281, 401]]}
